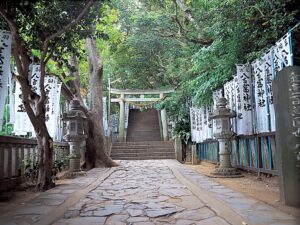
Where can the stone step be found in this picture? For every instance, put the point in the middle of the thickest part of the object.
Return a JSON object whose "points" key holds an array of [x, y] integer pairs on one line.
{"points": [[142, 154], [143, 158], [141, 151], [147, 143], [142, 148]]}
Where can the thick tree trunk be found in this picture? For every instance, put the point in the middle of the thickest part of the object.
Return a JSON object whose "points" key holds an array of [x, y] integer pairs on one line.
{"points": [[36, 113], [96, 155]]}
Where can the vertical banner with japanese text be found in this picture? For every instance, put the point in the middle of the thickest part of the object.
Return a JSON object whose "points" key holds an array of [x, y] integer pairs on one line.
{"points": [[244, 119], [193, 123], [5, 50], [260, 96], [105, 124], [269, 87], [230, 95]]}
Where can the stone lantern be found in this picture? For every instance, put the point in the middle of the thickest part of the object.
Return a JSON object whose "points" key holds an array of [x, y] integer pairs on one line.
{"points": [[76, 121], [223, 134]]}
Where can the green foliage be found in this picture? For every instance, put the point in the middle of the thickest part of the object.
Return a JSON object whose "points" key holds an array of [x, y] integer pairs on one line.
{"points": [[182, 130], [161, 47]]}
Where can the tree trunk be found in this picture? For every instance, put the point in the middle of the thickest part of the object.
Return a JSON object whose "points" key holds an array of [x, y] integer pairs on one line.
{"points": [[96, 155]]}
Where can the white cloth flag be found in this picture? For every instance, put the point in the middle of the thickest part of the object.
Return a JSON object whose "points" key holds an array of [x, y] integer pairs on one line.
{"points": [[5, 50], [126, 114], [269, 87], [203, 134], [105, 125], [22, 123], [193, 123], [198, 120], [282, 53], [35, 78], [216, 95], [53, 90], [244, 99], [11, 99], [230, 95], [261, 107], [209, 122]]}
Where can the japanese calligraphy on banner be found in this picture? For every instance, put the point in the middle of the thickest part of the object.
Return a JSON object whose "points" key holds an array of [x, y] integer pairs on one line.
{"points": [[53, 90], [216, 95], [209, 110], [261, 104], [282, 53], [198, 127], [35, 78], [244, 98], [269, 88], [105, 124], [5, 50], [22, 123], [206, 132], [193, 123], [230, 95], [126, 114]]}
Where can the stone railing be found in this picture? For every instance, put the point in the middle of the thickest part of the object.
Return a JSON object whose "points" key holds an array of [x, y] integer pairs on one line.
{"points": [[13, 152]]}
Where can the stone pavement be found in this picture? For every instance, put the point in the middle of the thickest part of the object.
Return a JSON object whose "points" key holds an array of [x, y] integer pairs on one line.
{"points": [[145, 193]]}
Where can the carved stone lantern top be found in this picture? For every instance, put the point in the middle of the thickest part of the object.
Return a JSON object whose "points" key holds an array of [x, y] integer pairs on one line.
{"points": [[222, 111], [76, 120], [221, 117]]}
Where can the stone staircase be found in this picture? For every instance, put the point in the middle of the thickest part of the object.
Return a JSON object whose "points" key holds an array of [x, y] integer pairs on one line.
{"points": [[142, 150], [143, 126], [143, 139]]}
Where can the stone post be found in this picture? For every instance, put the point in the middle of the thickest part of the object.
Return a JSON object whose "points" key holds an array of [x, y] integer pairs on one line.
{"points": [[195, 159], [164, 123], [122, 118], [286, 88], [178, 149]]}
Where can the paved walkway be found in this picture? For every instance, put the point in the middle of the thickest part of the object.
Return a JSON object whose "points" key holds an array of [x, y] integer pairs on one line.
{"points": [[145, 193]]}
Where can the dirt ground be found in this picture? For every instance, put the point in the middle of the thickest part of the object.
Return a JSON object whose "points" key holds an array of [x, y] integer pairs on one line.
{"points": [[265, 189]]}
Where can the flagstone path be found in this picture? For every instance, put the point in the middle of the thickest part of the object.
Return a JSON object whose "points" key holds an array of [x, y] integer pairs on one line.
{"points": [[144, 193]]}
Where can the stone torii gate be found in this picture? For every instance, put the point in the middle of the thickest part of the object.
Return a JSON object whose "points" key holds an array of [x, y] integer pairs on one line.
{"points": [[124, 96]]}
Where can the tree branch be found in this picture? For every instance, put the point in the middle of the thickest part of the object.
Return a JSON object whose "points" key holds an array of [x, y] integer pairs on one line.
{"points": [[70, 25]]}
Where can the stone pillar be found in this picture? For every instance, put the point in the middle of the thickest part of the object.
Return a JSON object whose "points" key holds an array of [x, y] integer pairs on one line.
{"points": [[178, 149], [224, 154], [122, 119], [195, 160], [164, 123], [286, 87], [75, 156]]}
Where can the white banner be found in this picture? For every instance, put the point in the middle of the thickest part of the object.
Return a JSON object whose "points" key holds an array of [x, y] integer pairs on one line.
{"points": [[105, 125], [269, 73], [193, 123], [126, 114], [230, 95], [209, 109], [5, 50], [244, 99], [11, 99], [53, 90], [35, 79], [198, 120], [216, 95], [282, 53], [261, 104], [22, 123]]}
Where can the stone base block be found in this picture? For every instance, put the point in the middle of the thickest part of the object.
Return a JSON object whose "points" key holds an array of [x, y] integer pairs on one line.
{"points": [[73, 174], [226, 173]]}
